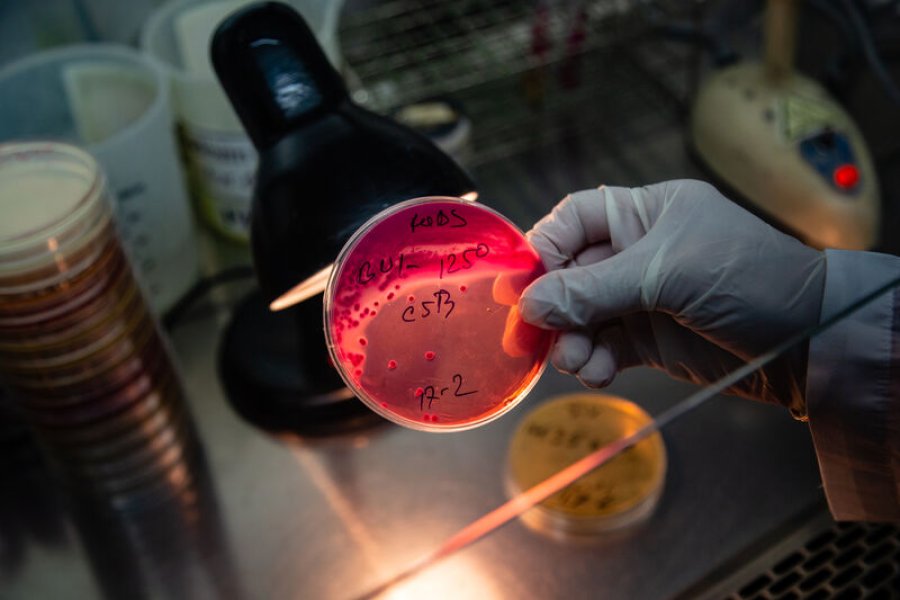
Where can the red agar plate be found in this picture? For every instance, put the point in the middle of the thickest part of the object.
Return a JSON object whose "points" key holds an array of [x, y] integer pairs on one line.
{"points": [[421, 318]]}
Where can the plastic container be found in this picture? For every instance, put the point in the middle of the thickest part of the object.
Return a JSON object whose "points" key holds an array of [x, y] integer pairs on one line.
{"points": [[115, 103], [562, 430], [421, 318], [79, 349]]}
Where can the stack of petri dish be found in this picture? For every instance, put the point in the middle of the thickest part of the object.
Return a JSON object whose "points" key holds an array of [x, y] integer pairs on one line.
{"points": [[79, 349]]}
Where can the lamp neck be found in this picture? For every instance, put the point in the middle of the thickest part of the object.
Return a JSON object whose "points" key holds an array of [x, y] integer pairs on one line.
{"points": [[780, 33], [275, 73]]}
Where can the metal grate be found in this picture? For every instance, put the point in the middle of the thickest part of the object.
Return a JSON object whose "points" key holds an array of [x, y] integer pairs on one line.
{"points": [[409, 49], [617, 81], [613, 99], [845, 561]]}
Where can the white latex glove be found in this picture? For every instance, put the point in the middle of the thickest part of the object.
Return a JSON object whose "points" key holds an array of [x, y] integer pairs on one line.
{"points": [[677, 277]]}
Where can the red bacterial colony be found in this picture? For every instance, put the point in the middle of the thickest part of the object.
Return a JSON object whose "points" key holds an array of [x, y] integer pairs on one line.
{"points": [[445, 276]]}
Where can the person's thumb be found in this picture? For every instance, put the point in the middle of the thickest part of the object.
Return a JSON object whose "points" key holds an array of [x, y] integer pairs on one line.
{"points": [[580, 296]]}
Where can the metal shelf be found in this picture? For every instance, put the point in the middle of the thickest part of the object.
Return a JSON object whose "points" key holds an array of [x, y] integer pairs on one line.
{"points": [[408, 49], [529, 73]]}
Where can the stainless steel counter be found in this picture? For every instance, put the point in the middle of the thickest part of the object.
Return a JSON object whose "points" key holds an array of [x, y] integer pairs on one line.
{"points": [[331, 518]]}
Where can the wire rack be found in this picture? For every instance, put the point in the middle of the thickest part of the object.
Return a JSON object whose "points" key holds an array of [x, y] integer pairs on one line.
{"points": [[527, 73], [551, 116]]}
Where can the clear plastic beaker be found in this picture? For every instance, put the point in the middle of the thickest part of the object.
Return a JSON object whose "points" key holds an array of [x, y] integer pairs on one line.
{"points": [[115, 103]]}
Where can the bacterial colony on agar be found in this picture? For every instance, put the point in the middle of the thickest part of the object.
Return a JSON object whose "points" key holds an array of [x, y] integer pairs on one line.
{"points": [[421, 318]]}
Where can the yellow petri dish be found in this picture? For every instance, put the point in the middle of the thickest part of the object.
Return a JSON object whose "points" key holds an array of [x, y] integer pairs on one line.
{"points": [[567, 428]]}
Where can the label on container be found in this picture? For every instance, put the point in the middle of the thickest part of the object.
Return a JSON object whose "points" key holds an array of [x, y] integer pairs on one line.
{"points": [[222, 171], [154, 224]]}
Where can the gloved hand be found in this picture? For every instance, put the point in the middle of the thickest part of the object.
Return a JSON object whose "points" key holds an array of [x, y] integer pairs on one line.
{"points": [[677, 277]]}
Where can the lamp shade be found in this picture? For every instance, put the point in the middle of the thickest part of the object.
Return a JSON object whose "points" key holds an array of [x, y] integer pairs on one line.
{"points": [[326, 164]]}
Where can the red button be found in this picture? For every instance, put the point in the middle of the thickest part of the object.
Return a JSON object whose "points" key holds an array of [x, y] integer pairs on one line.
{"points": [[846, 176]]}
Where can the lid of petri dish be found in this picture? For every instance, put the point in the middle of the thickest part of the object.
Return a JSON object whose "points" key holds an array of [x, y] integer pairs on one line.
{"points": [[45, 187], [567, 428], [421, 318]]}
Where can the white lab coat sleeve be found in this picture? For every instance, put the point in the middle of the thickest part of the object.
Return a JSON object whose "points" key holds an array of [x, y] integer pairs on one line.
{"points": [[853, 390]]}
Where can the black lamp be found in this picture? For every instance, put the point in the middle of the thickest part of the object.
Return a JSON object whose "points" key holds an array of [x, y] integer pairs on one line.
{"points": [[326, 166]]}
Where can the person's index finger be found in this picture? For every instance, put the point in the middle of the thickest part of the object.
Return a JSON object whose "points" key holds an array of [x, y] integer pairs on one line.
{"points": [[574, 224]]}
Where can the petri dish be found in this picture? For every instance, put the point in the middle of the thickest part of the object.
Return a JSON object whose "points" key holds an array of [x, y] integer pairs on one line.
{"points": [[421, 318], [621, 493], [132, 402]]}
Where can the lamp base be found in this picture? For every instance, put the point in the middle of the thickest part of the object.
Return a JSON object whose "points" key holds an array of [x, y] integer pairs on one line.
{"points": [[275, 370]]}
